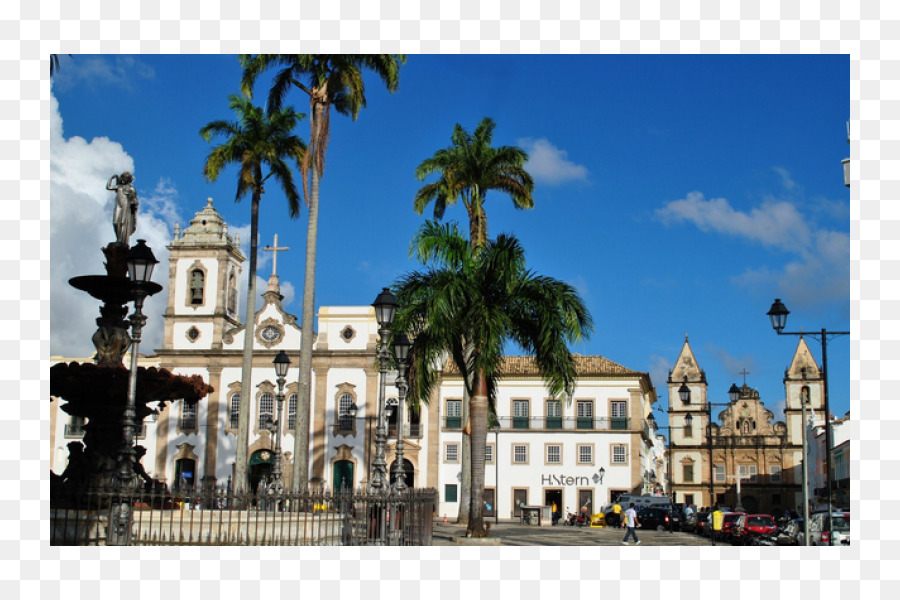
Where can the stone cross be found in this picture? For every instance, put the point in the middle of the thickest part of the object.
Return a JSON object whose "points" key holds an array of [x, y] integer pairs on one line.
{"points": [[274, 250], [745, 372]]}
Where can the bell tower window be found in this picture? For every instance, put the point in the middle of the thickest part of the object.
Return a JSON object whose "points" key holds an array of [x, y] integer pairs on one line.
{"points": [[196, 286], [232, 294]]}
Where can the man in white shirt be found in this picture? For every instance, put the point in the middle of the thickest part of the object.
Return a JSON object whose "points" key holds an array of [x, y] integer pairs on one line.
{"points": [[631, 522]]}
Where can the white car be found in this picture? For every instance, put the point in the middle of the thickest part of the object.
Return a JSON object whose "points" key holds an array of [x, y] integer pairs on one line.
{"points": [[818, 528]]}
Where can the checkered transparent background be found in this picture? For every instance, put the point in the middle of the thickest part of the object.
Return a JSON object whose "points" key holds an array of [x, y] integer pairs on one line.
{"points": [[32, 30]]}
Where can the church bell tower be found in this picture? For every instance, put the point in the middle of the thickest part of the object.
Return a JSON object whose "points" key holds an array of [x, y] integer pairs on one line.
{"points": [[204, 274]]}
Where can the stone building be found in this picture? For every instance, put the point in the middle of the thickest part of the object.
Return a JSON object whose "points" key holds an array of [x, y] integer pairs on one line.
{"points": [[744, 457]]}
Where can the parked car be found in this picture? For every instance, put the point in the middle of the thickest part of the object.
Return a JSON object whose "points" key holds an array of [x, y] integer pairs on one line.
{"points": [[819, 534], [791, 534], [749, 525], [728, 521], [659, 519], [699, 522]]}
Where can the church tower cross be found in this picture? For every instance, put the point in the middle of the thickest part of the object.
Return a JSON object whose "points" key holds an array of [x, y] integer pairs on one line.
{"points": [[274, 249]]}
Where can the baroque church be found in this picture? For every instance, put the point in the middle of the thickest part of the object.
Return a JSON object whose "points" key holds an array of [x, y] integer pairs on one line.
{"points": [[742, 457]]}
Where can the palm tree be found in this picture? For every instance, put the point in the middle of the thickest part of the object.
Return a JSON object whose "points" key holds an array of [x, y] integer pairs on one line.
{"points": [[254, 141], [469, 168], [330, 80], [468, 305]]}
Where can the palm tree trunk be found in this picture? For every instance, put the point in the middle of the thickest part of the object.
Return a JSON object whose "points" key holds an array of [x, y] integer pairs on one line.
{"points": [[240, 469], [479, 414], [465, 465], [301, 427]]}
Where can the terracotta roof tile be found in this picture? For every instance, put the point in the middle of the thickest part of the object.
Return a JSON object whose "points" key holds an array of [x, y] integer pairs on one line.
{"points": [[525, 366]]}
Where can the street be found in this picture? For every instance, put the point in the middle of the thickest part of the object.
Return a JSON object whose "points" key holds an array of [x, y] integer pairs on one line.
{"points": [[515, 534]]}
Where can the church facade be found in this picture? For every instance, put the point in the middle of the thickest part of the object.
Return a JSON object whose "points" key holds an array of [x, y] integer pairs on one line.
{"points": [[742, 457]]}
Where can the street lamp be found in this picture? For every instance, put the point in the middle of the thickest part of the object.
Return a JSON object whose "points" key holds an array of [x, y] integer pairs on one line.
{"points": [[778, 316], [804, 402], [140, 261], [385, 308], [282, 363], [401, 353]]}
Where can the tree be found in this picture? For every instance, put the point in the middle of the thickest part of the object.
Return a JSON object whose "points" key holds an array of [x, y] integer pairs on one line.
{"points": [[468, 305], [54, 64], [330, 80], [469, 169], [256, 140]]}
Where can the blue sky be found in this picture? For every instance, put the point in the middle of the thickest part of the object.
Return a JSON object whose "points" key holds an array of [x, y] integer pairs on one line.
{"points": [[679, 194]]}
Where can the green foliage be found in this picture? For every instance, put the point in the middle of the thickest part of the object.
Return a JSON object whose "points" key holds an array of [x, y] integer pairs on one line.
{"points": [[469, 303], [469, 168], [254, 140]]}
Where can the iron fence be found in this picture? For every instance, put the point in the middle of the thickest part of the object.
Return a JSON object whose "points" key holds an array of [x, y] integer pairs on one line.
{"points": [[221, 518]]}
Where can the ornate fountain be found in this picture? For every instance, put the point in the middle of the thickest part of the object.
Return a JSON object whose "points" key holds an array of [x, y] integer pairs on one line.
{"points": [[112, 398]]}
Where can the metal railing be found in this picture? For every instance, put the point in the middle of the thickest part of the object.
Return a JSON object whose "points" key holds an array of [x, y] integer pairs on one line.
{"points": [[219, 518], [553, 423]]}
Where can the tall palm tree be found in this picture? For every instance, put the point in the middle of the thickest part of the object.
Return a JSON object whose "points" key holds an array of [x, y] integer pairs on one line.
{"points": [[330, 80], [467, 305], [254, 141], [469, 168]]}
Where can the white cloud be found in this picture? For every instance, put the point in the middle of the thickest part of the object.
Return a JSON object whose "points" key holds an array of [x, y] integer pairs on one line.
{"points": [[103, 71], [776, 224], [786, 180], [820, 267], [550, 164], [81, 224], [659, 372]]}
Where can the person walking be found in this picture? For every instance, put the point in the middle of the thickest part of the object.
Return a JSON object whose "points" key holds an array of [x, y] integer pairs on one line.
{"points": [[631, 522]]}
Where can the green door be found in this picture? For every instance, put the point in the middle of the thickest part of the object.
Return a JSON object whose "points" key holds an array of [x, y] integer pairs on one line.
{"points": [[343, 476]]}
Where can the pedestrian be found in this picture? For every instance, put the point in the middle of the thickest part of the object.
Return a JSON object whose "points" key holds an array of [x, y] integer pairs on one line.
{"points": [[554, 509], [715, 522], [616, 520], [631, 522]]}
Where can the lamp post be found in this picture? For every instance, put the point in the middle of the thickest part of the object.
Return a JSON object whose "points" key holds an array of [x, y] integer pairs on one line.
{"points": [[140, 263], [282, 362], [385, 308], [804, 402], [401, 352], [778, 316]]}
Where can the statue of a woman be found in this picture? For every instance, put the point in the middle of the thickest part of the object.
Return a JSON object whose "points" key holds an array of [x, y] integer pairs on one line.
{"points": [[125, 214]]}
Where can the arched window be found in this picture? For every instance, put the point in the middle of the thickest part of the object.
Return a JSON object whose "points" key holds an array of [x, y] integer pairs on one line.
{"points": [[235, 410], [196, 286], [188, 416], [292, 412], [266, 403], [345, 421]]}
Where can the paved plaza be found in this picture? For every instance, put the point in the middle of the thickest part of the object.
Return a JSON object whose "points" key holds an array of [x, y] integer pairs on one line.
{"points": [[515, 534]]}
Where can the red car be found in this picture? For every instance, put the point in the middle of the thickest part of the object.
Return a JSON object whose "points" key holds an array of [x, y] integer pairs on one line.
{"points": [[747, 526]]}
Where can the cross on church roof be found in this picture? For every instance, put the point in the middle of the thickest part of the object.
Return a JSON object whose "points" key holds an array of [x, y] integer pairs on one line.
{"points": [[274, 248], [745, 372]]}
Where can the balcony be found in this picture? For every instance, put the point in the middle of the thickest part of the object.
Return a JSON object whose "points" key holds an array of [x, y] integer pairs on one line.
{"points": [[583, 424], [412, 430]]}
